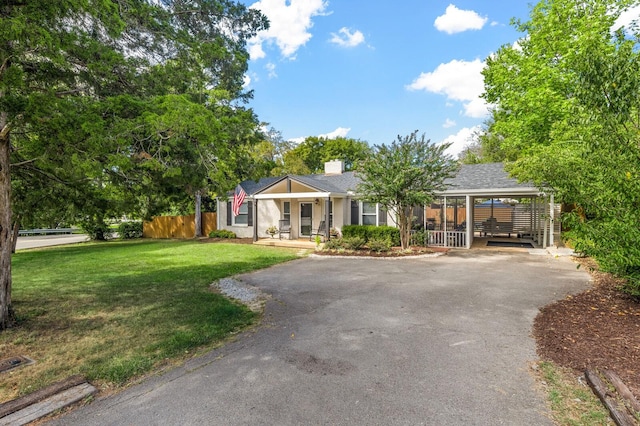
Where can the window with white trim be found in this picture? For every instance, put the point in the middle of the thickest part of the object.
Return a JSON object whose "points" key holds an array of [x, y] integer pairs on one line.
{"points": [[286, 211], [243, 218], [369, 213]]}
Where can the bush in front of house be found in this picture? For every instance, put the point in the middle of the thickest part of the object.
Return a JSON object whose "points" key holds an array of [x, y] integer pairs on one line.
{"points": [[349, 231], [379, 245], [130, 230], [368, 232], [383, 233], [334, 244], [222, 233], [353, 243]]}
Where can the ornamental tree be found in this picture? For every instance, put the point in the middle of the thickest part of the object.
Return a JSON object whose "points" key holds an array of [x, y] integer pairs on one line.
{"points": [[405, 174]]}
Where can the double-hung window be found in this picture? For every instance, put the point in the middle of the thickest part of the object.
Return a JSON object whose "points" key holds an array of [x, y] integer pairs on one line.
{"points": [[286, 211], [369, 213], [243, 218]]}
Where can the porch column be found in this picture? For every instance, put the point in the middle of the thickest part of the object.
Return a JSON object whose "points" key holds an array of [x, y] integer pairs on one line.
{"points": [[327, 216], [469, 219], [552, 218], [546, 223], [255, 220], [446, 243]]}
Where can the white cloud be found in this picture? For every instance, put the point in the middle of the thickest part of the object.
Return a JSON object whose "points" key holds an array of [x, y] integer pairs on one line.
{"points": [[457, 20], [298, 141], [459, 81], [271, 68], [346, 38], [460, 140], [627, 18], [340, 132], [448, 123], [246, 81], [290, 21]]}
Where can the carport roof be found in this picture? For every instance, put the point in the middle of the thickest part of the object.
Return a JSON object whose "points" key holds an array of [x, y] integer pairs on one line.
{"points": [[487, 178]]}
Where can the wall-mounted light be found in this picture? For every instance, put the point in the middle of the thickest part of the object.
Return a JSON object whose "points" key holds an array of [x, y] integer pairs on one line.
{"points": [[317, 201]]}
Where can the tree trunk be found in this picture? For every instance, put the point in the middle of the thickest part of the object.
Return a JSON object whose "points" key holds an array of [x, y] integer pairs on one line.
{"points": [[405, 230], [16, 232], [6, 235], [198, 220]]}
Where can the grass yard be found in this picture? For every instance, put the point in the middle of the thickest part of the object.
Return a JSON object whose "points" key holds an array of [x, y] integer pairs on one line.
{"points": [[114, 311]]}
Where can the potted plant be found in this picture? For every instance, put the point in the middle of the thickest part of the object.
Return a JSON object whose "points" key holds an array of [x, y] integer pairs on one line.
{"points": [[334, 232], [272, 230]]}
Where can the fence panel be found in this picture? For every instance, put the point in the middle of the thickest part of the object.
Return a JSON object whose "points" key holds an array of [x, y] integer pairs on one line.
{"points": [[181, 227]]}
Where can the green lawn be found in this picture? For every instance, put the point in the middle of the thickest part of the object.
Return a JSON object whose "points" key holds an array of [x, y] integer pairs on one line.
{"points": [[113, 311]]}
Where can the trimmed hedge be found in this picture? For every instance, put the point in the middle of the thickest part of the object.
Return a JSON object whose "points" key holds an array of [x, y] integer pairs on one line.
{"points": [[130, 230], [222, 233], [372, 232]]}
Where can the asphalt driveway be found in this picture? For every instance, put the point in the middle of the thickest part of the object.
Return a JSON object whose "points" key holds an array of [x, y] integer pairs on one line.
{"points": [[435, 341]]}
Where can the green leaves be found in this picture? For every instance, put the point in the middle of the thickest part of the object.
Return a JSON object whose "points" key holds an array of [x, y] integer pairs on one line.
{"points": [[405, 174], [567, 110]]}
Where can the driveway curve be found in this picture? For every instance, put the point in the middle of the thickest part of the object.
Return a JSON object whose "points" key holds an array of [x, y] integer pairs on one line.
{"points": [[435, 341]]}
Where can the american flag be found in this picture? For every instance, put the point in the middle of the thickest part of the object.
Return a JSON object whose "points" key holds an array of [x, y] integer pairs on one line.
{"points": [[238, 199]]}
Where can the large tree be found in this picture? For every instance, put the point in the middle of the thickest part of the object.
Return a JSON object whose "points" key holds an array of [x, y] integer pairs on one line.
{"points": [[80, 78], [403, 175], [567, 107], [310, 155]]}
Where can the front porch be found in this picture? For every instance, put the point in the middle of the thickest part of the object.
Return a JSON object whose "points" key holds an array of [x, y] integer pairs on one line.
{"points": [[301, 243]]}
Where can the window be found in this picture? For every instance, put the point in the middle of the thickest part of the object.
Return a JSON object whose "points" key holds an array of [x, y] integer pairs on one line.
{"points": [[369, 213], [286, 211], [243, 217]]}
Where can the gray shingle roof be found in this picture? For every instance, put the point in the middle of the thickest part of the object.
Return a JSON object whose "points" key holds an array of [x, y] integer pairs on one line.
{"points": [[347, 181], [471, 177], [484, 176]]}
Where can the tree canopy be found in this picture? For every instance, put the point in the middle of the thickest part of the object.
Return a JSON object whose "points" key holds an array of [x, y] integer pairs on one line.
{"points": [[109, 107], [403, 175], [566, 114]]}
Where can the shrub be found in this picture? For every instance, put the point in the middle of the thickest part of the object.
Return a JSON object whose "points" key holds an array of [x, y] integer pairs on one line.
{"points": [[368, 232], [349, 231], [130, 230], [379, 245], [222, 233], [96, 230], [384, 232], [353, 243], [419, 238], [334, 244]]}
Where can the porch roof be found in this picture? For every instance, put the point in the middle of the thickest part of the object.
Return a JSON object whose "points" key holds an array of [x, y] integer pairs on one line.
{"points": [[344, 183]]}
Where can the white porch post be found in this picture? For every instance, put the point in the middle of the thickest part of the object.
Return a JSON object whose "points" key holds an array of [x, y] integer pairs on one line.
{"points": [[552, 218], [255, 220], [469, 219], [446, 243], [546, 223], [327, 217]]}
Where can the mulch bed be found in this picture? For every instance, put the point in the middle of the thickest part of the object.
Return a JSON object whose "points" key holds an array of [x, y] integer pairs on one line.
{"points": [[599, 328], [395, 252]]}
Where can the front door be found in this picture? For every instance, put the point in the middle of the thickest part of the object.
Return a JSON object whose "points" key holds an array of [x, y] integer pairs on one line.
{"points": [[306, 219]]}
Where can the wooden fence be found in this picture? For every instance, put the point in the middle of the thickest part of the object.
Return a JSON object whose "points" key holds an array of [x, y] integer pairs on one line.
{"points": [[182, 227]]}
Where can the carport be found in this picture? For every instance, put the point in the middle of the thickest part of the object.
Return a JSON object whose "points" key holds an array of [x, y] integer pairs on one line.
{"points": [[482, 201]]}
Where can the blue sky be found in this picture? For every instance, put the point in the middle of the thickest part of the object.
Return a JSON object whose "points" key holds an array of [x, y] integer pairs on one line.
{"points": [[372, 69]]}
